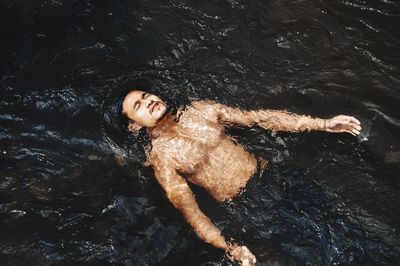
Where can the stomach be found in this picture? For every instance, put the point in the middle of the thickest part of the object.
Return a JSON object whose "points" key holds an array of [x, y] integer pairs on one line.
{"points": [[226, 171]]}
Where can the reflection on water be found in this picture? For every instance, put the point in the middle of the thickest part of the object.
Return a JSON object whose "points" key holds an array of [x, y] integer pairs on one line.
{"points": [[73, 188]]}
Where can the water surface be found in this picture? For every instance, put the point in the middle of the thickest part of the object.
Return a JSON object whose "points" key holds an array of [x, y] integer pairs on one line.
{"points": [[66, 196]]}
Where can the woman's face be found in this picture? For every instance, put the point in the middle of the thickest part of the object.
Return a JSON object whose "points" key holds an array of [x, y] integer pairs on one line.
{"points": [[144, 108]]}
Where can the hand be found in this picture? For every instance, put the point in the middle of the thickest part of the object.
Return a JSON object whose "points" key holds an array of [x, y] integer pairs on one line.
{"points": [[343, 123], [241, 254]]}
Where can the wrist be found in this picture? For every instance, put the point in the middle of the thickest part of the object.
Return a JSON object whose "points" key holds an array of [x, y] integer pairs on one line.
{"points": [[220, 243], [223, 245]]}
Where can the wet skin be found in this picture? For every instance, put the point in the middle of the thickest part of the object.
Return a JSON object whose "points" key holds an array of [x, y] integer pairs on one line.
{"points": [[192, 146]]}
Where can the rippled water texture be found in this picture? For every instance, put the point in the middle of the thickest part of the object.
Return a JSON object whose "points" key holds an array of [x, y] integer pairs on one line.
{"points": [[68, 196]]}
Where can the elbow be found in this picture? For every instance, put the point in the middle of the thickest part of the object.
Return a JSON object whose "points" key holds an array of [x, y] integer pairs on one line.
{"points": [[302, 124]]}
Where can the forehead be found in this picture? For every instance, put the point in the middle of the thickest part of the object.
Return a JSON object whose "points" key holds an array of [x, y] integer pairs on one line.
{"points": [[133, 95]]}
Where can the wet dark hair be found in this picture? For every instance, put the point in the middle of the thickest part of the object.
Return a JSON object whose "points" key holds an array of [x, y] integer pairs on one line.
{"points": [[122, 141], [124, 120]]}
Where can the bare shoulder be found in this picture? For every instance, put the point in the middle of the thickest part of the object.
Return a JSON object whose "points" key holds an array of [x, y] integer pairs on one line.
{"points": [[206, 107]]}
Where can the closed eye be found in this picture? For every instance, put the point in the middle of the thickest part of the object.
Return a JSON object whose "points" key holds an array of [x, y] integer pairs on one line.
{"points": [[136, 105]]}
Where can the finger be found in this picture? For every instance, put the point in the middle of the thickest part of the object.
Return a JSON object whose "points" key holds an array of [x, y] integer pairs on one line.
{"points": [[345, 130], [351, 125], [355, 120], [356, 126], [358, 129], [350, 130], [352, 133]]}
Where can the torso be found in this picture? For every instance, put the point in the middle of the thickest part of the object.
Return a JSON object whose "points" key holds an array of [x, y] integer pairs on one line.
{"points": [[200, 151]]}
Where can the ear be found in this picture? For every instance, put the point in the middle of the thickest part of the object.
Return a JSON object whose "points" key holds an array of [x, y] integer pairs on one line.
{"points": [[134, 127]]}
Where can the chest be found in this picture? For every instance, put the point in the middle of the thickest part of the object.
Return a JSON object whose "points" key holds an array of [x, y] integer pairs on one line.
{"points": [[189, 146]]}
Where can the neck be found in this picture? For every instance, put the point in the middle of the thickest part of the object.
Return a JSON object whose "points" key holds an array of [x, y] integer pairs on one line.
{"points": [[162, 126]]}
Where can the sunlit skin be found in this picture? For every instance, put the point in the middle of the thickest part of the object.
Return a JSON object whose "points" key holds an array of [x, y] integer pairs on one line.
{"points": [[144, 108], [192, 146]]}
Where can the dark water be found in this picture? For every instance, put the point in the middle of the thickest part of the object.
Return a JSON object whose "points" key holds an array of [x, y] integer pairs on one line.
{"points": [[326, 199]]}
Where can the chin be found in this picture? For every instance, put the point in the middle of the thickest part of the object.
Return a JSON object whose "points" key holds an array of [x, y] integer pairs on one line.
{"points": [[161, 113], [162, 110]]}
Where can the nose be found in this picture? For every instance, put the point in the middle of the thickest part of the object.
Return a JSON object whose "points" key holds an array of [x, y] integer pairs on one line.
{"points": [[149, 102]]}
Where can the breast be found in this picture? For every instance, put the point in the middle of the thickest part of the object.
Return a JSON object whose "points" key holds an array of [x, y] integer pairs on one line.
{"points": [[182, 154]]}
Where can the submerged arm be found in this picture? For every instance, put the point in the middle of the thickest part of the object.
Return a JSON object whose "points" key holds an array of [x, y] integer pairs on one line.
{"points": [[282, 120], [181, 196]]}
